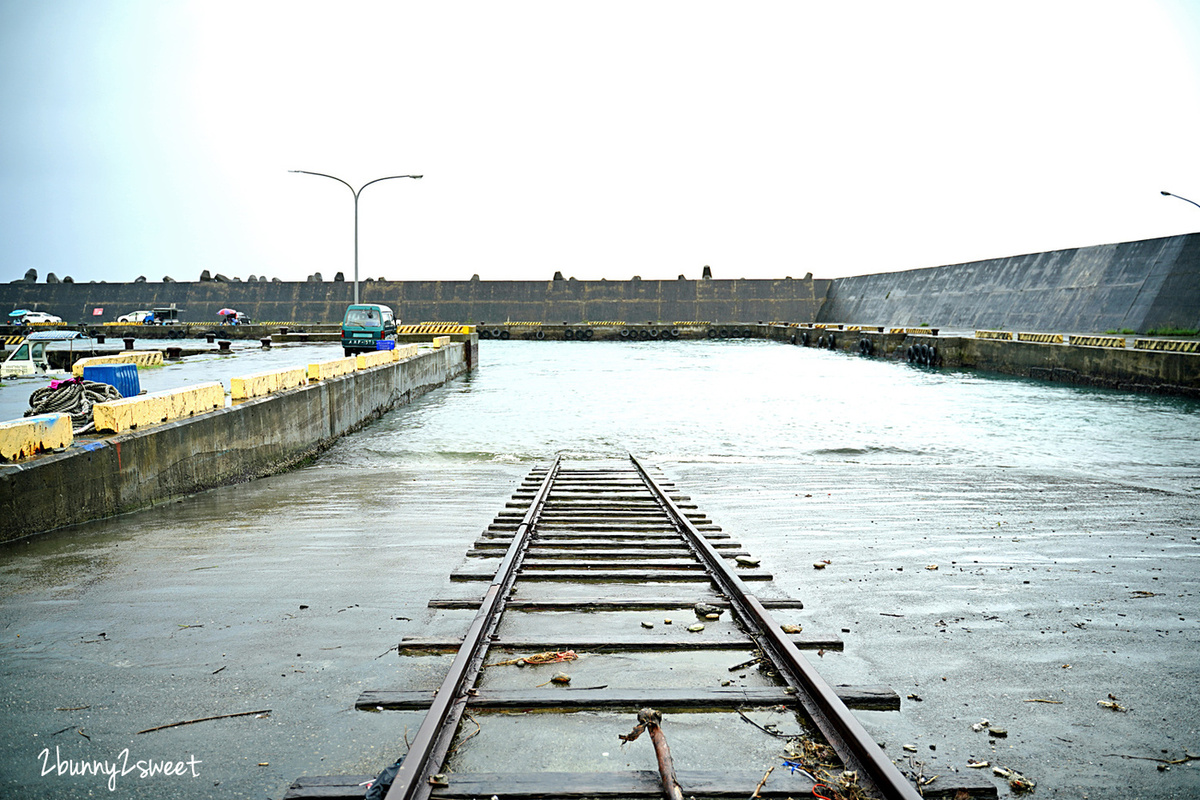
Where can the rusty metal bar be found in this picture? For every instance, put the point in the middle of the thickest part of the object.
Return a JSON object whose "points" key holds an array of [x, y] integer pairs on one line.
{"points": [[666, 766], [432, 742], [845, 734]]}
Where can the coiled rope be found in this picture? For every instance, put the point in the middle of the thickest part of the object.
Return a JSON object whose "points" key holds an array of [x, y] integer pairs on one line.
{"points": [[74, 397]]}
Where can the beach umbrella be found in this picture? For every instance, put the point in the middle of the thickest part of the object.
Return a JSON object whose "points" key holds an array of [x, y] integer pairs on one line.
{"points": [[18, 313], [224, 312]]}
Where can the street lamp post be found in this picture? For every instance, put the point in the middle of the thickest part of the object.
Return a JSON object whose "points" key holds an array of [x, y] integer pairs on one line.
{"points": [[1184, 199], [356, 194]]}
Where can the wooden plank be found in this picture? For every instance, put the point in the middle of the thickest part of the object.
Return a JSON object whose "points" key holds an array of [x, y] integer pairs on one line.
{"points": [[562, 553], [609, 576], [614, 544], [687, 563], [804, 640], [875, 698], [638, 783], [605, 604], [616, 534]]}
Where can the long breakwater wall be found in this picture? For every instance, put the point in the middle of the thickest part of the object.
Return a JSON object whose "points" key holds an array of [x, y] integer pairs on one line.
{"points": [[473, 301], [1138, 286], [249, 439]]}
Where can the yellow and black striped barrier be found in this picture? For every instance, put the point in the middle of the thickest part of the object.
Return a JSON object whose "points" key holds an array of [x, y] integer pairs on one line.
{"points": [[1002, 335], [1097, 341], [435, 329], [603, 323], [918, 331], [1041, 338], [1167, 345]]}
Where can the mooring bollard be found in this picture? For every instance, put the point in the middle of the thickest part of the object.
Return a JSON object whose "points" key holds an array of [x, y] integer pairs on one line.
{"points": [[265, 342], [173, 353], [283, 331], [223, 346], [210, 337], [129, 343], [99, 338]]}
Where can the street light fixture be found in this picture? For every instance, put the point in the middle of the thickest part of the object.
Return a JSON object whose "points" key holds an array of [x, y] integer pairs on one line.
{"points": [[1184, 199], [356, 193]]}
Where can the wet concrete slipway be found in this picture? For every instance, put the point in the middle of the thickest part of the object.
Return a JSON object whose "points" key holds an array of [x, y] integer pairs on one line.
{"points": [[1062, 523]]}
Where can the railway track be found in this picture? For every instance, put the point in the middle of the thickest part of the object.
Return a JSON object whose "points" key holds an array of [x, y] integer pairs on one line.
{"points": [[613, 601]]}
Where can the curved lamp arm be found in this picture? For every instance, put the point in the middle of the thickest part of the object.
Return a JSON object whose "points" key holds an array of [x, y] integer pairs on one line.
{"points": [[1184, 199], [356, 193]]}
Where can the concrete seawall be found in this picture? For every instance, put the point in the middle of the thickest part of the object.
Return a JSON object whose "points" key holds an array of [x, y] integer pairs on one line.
{"points": [[1122, 368], [251, 439], [1139, 286]]}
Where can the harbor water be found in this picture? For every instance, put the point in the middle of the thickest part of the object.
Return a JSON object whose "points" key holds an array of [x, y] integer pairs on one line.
{"points": [[989, 547]]}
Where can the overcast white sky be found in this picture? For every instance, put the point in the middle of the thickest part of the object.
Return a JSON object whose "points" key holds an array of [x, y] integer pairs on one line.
{"points": [[154, 137]]}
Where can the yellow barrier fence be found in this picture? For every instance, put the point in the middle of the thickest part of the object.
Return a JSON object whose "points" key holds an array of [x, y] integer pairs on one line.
{"points": [[331, 369], [1001, 335], [143, 358], [22, 438], [374, 358], [1098, 341], [264, 383], [1168, 345], [150, 409], [1041, 338]]}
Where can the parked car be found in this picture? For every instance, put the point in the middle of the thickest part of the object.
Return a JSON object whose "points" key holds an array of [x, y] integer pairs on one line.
{"points": [[39, 317], [135, 317], [364, 325]]}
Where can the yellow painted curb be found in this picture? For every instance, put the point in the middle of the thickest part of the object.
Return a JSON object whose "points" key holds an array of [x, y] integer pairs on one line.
{"points": [[374, 359], [325, 370], [440, 341], [1043, 338], [264, 383], [143, 358], [151, 409], [22, 438]]}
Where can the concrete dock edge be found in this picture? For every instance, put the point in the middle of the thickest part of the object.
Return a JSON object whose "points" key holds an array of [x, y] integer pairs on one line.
{"points": [[251, 439]]}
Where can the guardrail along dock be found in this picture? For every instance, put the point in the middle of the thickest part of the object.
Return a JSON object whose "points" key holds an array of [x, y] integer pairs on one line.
{"points": [[609, 598]]}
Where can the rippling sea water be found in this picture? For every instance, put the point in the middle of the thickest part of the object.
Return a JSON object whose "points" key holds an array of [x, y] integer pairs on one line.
{"points": [[762, 402]]}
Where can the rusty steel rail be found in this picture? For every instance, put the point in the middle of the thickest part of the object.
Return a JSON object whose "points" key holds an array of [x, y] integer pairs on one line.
{"points": [[428, 750], [614, 516], [841, 728]]}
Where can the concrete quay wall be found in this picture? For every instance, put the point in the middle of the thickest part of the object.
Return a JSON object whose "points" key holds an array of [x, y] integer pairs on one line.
{"points": [[1121, 368], [251, 439], [1140, 286]]}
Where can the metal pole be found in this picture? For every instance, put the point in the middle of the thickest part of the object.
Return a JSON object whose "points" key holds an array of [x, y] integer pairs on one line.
{"points": [[356, 194], [1184, 199]]}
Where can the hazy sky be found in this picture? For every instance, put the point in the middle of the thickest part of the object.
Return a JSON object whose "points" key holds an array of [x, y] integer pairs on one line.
{"points": [[154, 137]]}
